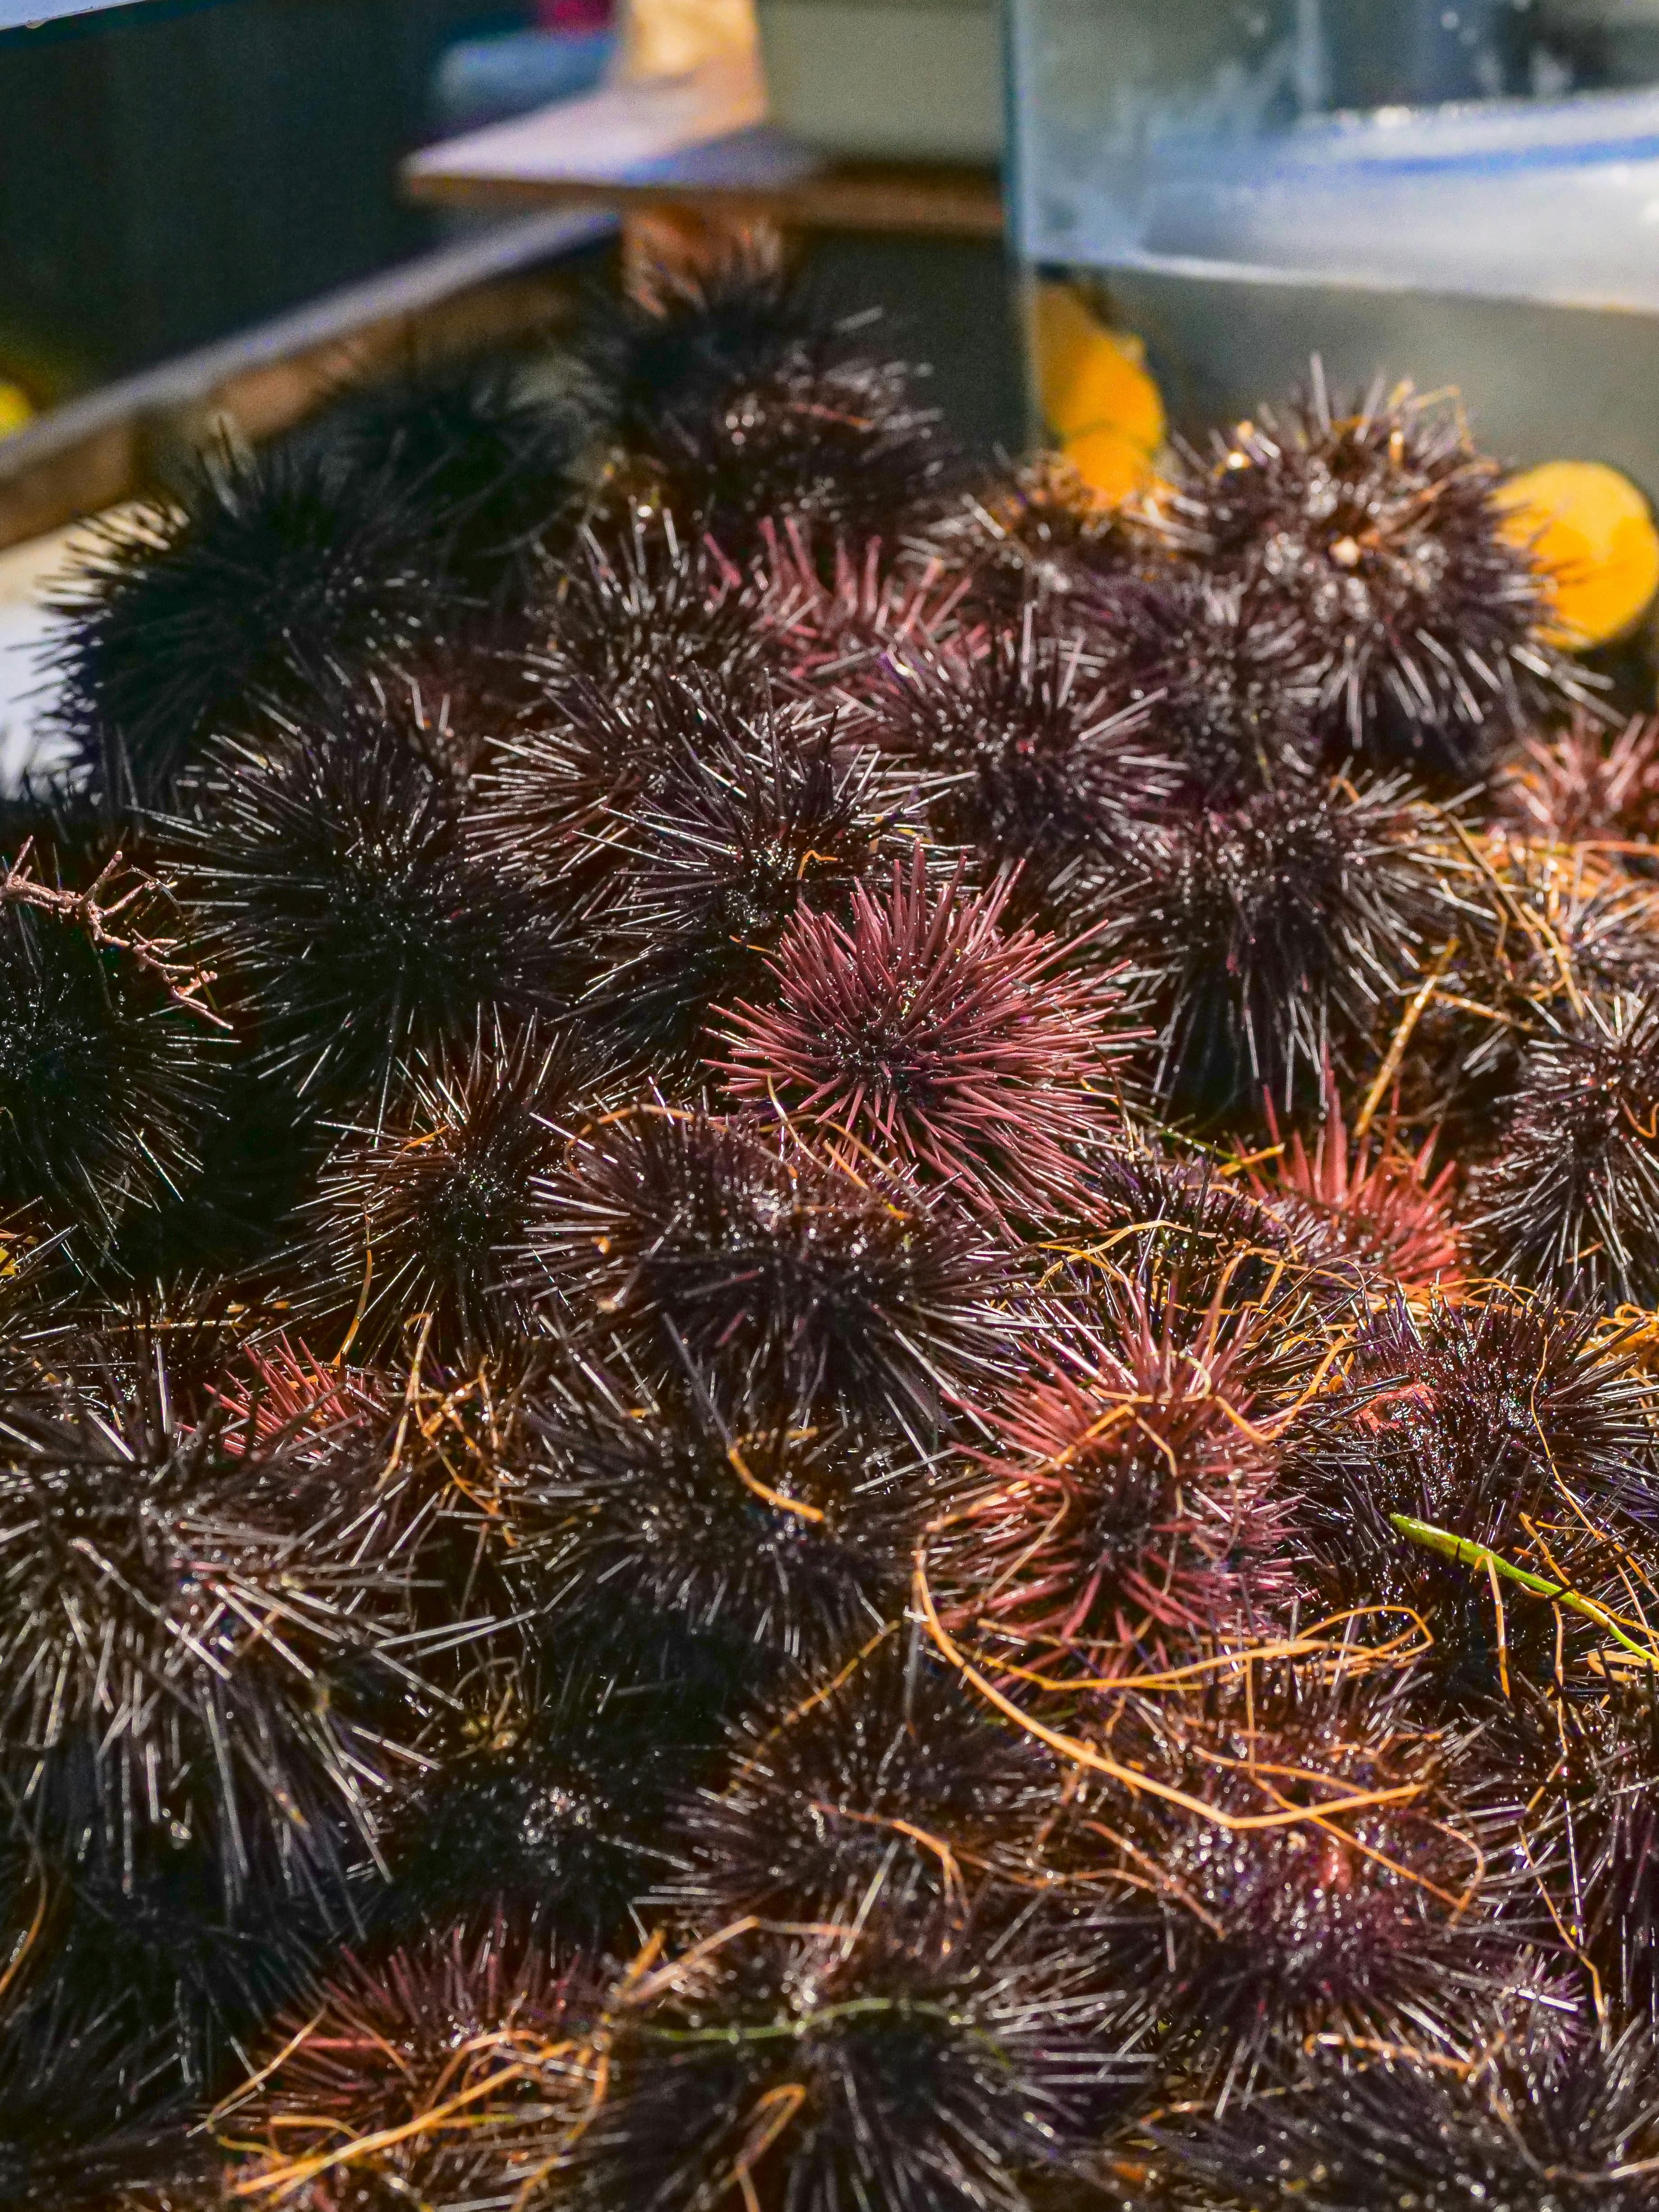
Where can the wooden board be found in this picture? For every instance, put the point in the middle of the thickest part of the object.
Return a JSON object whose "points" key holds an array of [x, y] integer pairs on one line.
{"points": [[87, 454], [699, 142]]}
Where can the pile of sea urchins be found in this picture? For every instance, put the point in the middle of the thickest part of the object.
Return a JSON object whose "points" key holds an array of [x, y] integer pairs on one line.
{"points": [[827, 1322]]}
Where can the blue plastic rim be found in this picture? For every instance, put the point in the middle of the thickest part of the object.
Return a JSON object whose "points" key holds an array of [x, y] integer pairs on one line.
{"points": [[24, 15], [19, 17]]}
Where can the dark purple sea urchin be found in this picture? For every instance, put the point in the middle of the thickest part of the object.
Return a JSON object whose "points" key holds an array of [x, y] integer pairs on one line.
{"points": [[178, 1596], [1377, 522], [892, 2060], [428, 1213], [1571, 1202], [1025, 757], [338, 891], [733, 401], [1279, 935], [789, 1281]]}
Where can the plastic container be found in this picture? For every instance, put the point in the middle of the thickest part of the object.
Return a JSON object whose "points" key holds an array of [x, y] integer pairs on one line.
{"points": [[1464, 192]]}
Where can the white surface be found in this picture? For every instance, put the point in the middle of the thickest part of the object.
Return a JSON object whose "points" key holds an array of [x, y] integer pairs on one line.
{"points": [[27, 573], [26, 694]]}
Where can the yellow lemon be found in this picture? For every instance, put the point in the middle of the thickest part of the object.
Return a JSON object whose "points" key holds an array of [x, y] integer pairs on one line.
{"points": [[1594, 534], [1113, 466], [1091, 379], [15, 409]]}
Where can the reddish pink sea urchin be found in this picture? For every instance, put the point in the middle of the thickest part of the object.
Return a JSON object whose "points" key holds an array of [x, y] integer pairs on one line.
{"points": [[922, 1029], [1364, 1202], [1132, 1504]]}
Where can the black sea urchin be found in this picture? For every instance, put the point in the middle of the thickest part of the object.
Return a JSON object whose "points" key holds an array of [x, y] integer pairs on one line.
{"points": [[1571, 1202], [1214, 1268], [892, 1777], [1277, 936], [481, 462], [753, 820], [427, 1214], [264, 571], [644, 603], [551, 1799], [1378, 523], [1039, 533], [1026, 759], [105, 1075], [909, 2066], [1302, 1871], [89, 2110], [736, 399], [785, 1545], [1502, 1426], [336, 883], [1225, 677], [791, 1283], [558, 793], [1537, 2124], [197, 1644], [1596, 1823]]}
